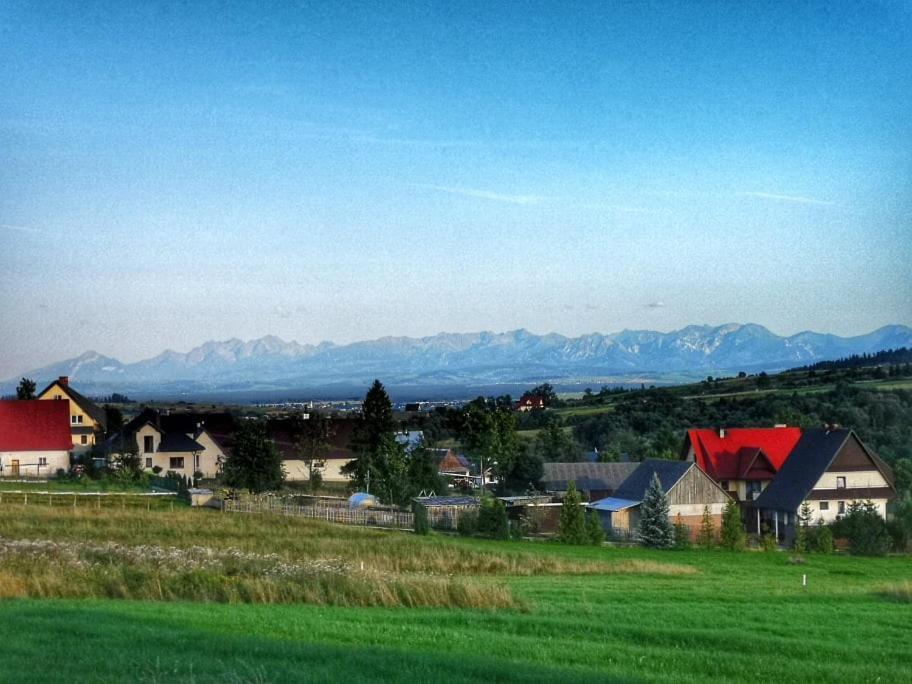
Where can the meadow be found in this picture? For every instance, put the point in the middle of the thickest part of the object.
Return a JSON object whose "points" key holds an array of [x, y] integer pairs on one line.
{"points": [[263, 598]]}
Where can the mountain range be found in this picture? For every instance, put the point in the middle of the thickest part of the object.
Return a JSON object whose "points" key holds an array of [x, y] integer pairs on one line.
{"points": [[451, 359]]}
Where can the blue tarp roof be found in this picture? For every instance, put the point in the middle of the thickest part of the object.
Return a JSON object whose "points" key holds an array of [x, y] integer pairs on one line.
{"points": [[612, 504]]}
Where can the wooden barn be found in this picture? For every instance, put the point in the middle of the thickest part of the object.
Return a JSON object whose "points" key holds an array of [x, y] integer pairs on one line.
{"points": [[689, 490]]}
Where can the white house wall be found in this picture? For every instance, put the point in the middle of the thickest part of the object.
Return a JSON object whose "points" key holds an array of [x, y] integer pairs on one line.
{"points": [[29, 462]]}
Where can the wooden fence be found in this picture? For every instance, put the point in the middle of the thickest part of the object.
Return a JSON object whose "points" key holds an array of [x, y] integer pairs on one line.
{"points": [[98, 500], [368, 517]]}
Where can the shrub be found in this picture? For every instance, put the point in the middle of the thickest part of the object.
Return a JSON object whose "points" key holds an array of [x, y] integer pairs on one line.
{"points": [[865, 530], [492, 519], [822, 539], [156, 470], [572, 520], [467, 524], [768, 542], [422, 524]]}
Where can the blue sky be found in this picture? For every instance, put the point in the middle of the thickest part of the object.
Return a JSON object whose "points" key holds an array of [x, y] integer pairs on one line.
{"points": [[177, 173]]}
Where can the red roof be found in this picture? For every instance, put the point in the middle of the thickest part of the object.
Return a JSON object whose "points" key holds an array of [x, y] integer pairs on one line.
{"points": [[35, 425], [740, 453]]}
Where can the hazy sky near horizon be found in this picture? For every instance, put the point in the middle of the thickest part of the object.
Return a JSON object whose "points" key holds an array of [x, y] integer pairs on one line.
{"points": [[175, 173]]}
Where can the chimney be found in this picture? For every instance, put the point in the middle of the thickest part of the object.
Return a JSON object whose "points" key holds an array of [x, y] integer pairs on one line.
{"points": [[64, 380]]}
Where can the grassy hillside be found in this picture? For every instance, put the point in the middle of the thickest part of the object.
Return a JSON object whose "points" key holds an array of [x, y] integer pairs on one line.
{"points": [[553, 612]]}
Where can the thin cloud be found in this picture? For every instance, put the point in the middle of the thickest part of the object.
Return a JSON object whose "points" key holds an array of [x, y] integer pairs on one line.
{"points": [[27, 229], [655, 305], [784, 198], [484, 194]]}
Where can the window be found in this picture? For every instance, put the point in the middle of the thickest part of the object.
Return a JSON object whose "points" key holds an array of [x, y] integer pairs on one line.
{"points": [[824, 505], [840, 483], [57, 397], [76, 420], [842, 508], [176, 462], [84, 439], [148, 444], [42, 461], [149, 462], [73, 420]]}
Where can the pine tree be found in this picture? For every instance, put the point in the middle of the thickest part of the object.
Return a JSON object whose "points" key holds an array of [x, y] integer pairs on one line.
{"points": [[706, 537], [733, 536], [572, 521], [655, 529], [801, 529], [594, 529], [26, 389]]}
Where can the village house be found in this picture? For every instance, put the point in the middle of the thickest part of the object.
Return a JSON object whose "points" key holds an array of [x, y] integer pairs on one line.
{"points": [[168, 444], [743, 461], [334, 459], [689, 490], [35, 438], [530, 402], [828, 469], [86, 418], [593, 480], [451, 465]]}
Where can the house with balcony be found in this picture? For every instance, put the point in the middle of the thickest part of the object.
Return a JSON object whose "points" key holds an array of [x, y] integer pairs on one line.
{"points": [[828, 469]]}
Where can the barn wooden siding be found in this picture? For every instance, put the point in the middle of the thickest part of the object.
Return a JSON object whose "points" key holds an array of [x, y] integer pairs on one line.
{"points": [[696, 488]]}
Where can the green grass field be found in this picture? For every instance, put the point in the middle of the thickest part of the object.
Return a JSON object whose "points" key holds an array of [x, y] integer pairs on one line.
{"points": [[570, 614]]}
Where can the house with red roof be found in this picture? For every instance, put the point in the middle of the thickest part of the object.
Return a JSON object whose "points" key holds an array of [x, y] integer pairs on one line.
{"points": [[35, 439], [743, 461]]}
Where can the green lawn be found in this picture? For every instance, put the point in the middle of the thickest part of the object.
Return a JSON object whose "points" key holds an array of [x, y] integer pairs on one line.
{"points": [[81, 485], [582, 614]]}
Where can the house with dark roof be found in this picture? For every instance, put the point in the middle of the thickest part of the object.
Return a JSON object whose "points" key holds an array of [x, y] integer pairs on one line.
{"points": [[689, 490], [829, 469], [170, 444], [743, 461], [35, 439], [87, 419], [338, 455], [592, 480]]}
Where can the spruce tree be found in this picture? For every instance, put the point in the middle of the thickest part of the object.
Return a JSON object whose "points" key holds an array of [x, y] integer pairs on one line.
{"points": [[655, 530], [572, 521], [801, 529], [706, 538], [594, 529], [733, 536]]}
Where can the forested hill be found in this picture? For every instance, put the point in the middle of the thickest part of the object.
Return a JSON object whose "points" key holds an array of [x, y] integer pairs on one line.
{"points": [[893, 357]]}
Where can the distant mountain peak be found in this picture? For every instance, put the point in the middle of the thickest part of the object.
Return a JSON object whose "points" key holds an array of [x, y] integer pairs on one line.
{"points": [[514, 356]]}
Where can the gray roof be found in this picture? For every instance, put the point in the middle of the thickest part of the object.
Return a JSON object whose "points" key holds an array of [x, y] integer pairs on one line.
{"points": [[806, 464], [585, 476], [669, 472], [177, 441]]}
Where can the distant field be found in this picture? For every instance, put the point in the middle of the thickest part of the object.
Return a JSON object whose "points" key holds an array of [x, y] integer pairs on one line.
{"points": [[574, 614]]}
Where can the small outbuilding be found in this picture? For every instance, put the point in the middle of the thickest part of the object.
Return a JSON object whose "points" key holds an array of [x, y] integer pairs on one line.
{"points": [[689, 490]]}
